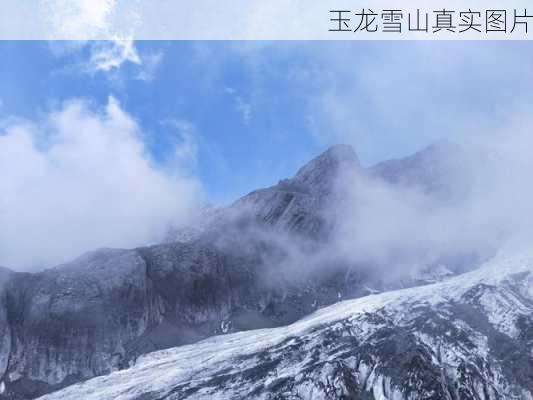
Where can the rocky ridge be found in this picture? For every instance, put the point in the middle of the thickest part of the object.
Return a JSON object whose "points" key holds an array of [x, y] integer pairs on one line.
{"points": [[100, 312], [467, 338]]}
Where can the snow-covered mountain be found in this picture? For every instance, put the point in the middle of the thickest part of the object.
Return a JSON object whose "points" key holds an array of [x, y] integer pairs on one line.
{"points": [[470, 337], [265, 261]]}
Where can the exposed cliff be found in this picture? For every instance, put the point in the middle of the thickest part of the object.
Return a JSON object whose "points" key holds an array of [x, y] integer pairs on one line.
{"points": [[468, 338]]}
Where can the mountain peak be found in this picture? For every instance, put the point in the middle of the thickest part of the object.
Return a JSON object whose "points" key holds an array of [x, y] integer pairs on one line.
{"points": [[322, 168], [339, 153]]}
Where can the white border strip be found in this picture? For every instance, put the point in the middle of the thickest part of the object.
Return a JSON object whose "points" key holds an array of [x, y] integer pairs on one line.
{"points": [[238, 19]]}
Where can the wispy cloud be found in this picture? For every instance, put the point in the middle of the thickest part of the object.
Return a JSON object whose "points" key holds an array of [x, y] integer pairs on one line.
{"points": [[109, 55], [183, 140], [93, 20], [244, 108], [150, 63]]}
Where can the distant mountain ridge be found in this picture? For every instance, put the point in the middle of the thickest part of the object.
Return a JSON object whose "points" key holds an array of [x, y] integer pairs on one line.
{"points": [[300, 199]]}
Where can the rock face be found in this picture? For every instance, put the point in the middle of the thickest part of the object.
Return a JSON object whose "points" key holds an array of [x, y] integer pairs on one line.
{"points": [[262, 262], [468, 338], [74, 321], [5, 328], [296, 205]]}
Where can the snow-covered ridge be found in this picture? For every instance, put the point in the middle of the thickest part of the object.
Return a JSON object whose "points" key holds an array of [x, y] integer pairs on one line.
{"points": [[501, 290]]}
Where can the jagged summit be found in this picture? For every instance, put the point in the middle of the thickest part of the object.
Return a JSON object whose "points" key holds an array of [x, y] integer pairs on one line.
{"points": [[296, 204], [327, 165], [340, 152]]}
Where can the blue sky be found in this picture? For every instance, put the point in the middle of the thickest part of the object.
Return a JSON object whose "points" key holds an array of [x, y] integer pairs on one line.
{"points": [[107, 143], [260, 110], [237, 151]]}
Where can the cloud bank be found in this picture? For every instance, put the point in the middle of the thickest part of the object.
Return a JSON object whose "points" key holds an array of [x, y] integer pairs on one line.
{"points": [[82, 178], [483, 204]]}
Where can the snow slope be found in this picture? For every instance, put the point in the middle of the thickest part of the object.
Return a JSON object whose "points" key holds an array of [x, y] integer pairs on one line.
{"points": [[470, 337]]}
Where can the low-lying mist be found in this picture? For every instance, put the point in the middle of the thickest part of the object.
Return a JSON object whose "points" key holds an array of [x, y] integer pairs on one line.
{"points": [[450, 206], [461, 204], [88, 183]]}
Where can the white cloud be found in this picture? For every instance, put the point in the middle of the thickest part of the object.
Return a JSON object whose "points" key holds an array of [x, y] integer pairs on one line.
{"points": [[87, 19], [187, 147], [403, 228], [109, 55], [91, 21], [243, 107], [81, 179], [182, 138]]}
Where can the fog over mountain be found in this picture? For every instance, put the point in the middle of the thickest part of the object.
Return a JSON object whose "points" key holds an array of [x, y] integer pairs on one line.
{"points": [[334, 231]]}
